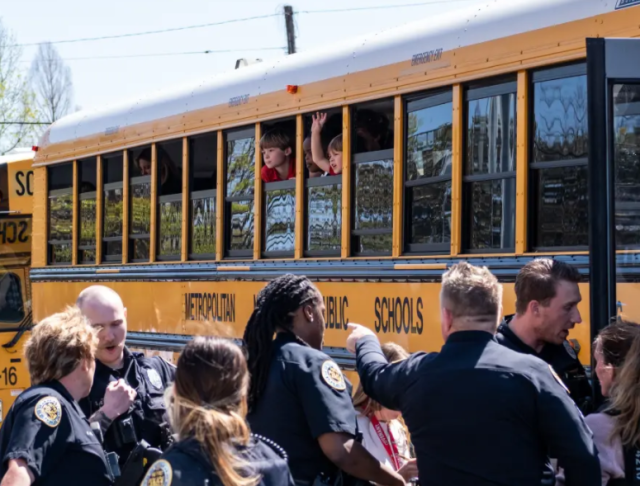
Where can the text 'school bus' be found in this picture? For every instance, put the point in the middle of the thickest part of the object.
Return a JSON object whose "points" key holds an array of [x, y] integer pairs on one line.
{"points": [[493, 135]]}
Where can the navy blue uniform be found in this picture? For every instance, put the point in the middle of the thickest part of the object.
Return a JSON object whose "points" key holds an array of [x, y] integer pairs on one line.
{"points": [[46, 428], [187, 464], [562, 358], [149, 377], [480, 414], [306, 396]]}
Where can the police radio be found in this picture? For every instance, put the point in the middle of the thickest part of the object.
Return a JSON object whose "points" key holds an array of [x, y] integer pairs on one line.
{"points": [[112, 457]]}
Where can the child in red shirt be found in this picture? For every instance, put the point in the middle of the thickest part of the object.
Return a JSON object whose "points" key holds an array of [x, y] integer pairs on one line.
{"points": [[333, 164], [277, 155]]}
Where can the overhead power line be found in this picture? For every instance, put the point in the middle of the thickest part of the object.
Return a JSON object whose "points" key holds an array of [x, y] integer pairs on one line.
{"points": [[233, 21]]}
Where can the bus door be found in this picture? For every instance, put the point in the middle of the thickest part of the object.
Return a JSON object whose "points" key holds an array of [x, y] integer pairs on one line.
{"points": [[613, 79]]}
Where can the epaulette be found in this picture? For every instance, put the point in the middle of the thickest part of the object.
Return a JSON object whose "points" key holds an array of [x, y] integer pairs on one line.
{"points": [[279, 450]]}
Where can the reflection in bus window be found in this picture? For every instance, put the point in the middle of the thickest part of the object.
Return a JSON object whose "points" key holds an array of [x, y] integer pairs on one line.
{"points": [[203, 169], [170, 200], [11, 304], [490, 168], [240, 168], [559, 159], [140, 204], [87, 211], [428, 174], [280, 219], [626, 126], [60, 185], [112, 208], [373, 178]]}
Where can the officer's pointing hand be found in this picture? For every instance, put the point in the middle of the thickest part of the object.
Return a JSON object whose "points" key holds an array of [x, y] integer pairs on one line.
{"points": [[117, 399], [357, 332]]}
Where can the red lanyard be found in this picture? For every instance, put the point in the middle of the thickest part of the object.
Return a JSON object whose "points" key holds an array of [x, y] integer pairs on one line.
{"points": [[392, 449]]}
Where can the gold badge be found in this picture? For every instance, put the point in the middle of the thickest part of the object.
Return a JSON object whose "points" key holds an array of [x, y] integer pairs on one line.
{"points": [[49, 411], [555, 375], [332, 375], [160, 474]]}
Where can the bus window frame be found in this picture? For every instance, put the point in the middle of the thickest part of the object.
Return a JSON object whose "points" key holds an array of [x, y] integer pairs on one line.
{"points": [[107, 187], [194, 196], [266, 188], [67, 191], [329, 180], [553, 73], [230, 136], [81, 197], [174, 257], [474, 91], [138, 236], [412, 103]]}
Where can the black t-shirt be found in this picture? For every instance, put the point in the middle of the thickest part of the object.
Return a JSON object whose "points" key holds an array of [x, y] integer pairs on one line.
{"points": [[306, 396], [46, 428], [149, 377], [187, 464]]}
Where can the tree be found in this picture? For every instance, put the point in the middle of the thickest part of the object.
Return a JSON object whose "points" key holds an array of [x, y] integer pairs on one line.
{"points": [[16, 99], [51, 81]]}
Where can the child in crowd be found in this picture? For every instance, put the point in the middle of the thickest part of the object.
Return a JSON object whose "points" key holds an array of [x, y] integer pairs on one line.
{"points": [[332, 165], [277, 155], [312, 167]]}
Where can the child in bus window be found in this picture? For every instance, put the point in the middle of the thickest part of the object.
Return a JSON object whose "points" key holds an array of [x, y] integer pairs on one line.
{"points": [[277, 154], [169, 173], [333, 164], [312, 167], [372, 131]]}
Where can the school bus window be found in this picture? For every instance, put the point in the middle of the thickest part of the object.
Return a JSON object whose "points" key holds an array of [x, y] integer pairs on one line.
{"points": [[139, 204], [372, 187], [626, 123], [278, 173], [490, 168], [560, 142], [240, 175], [322, 147], [87, 211], [11, 303], [112, 208], [203, 166], [60, 185], [427, 184], [169, 200]]}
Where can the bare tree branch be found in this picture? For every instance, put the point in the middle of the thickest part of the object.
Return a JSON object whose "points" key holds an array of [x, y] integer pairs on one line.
{"points": [[51, 81]]}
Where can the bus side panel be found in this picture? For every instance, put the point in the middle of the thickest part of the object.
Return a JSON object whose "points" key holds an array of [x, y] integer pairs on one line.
{"points": [[404, 313], [14, 377]]}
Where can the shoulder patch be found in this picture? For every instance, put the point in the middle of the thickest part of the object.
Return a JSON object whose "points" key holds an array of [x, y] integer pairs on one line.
{"points": [[159, 474], [570, 350], [49, 411], [557, 378], [154, 378], [332, 375]]}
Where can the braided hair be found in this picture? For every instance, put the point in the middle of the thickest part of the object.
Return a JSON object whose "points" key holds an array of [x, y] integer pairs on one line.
{"points": [[274, 310]]}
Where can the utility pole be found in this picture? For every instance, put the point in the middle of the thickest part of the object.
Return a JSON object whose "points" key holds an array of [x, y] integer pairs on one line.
{"points": [[291, 30]]}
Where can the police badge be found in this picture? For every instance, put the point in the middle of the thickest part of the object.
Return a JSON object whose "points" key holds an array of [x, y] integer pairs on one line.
{"points": [[49, 411], [154, 378]]}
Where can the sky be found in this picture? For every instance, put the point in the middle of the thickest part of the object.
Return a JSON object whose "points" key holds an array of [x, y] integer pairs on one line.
{"points": [[99, 82]]}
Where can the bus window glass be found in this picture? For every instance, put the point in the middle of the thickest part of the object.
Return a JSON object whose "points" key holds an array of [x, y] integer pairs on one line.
{"points": [[323, 183], [170, 200], [11, 302], [203, 167], [559, 159], [140, 204], [489, 180], [240, 170], [87, 211], [113, 209], [278, 147], [428, 174], [372, 175], [60, 185], [626, 112]]}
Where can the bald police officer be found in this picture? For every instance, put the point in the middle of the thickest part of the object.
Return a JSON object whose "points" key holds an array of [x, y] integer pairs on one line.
{"points": [[479, 414]]}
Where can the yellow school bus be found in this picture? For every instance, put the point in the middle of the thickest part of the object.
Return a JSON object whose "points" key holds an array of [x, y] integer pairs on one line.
{"points": [[16, 202], [495, 135]]}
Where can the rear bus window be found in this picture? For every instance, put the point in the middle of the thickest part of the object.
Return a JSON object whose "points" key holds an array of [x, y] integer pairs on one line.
{"points": [[140, 204], [112, 208], [169, 156], [87, 211], [60, 186], [203, 169]]}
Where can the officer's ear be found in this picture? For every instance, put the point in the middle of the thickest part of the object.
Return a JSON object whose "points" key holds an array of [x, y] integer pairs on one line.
{"points": [[534, 308], [446, 322], [307, 312]]}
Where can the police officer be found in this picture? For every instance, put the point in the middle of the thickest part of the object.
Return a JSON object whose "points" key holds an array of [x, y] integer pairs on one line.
{"points": [[547, 298], [127, 397], [208, 413], [298, 396], [478, 413], [45, 438]]}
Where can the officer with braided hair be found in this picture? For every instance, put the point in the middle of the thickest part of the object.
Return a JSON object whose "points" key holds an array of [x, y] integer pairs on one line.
{"points": [[298, 396]]}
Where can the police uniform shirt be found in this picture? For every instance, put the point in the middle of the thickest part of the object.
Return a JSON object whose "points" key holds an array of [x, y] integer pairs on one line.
{"points": [[564, 360], [480, 414], [149, 377], [187, 464], [306, 396], [46, 428]]}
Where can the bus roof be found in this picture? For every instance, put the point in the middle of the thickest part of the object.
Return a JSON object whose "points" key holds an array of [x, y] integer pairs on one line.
{"points": [[17, 155], [409, 48]]}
